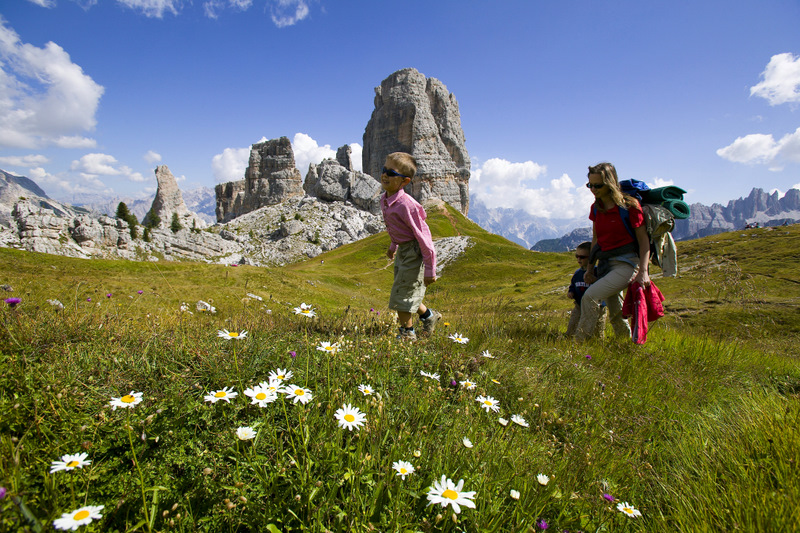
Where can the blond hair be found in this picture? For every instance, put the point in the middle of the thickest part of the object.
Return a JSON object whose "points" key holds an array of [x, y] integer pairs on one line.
{"points": [[610, 180], [405, 163]]}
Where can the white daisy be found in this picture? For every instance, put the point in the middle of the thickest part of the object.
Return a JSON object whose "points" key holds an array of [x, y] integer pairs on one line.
{"points": [[403, 468], [445, 492], [70, 462], [205, 307], [429, 375], [129, 400], [255, 296], [467, 443], [246, 433], [271, 386], [261, 396], [487, 402], [517, 419], [228, 335], [514, 494], [503, 422], [298, 394], [628, 510], [542, 479], [467, 384], [456, 337], [350, 417], [79, 517], [486, 354], [280, 375], [366, 390], [225, 394], [328, 347], [305, 310]]}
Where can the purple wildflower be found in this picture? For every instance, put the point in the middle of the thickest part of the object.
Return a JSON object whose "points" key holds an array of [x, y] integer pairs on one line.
{"points": [[608, 497], [2, 492], [108, 295], [293, 354], [89, 299], [453, 383], [371, 309], [139, 292], [541, 524], [13, 302], [588, 356]]}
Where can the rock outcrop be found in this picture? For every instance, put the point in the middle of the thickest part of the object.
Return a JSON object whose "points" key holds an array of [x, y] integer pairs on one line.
{"points": [[418, 115], [333, 182], [168, 203], [271, 178]]}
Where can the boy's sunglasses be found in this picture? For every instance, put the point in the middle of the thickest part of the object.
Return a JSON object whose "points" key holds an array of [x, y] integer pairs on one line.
{"points": [[595, 185], [581, 256], [392, 173]]}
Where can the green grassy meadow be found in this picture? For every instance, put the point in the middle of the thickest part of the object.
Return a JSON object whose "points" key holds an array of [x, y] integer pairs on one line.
{"points": [[698, 430]]}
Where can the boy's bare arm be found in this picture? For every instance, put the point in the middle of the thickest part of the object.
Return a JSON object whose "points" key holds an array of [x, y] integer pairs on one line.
{"points": [[390, 253]]}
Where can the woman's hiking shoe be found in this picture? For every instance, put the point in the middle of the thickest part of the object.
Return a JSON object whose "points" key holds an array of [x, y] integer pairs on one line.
{"points": [[429, 324], [406, 335]]}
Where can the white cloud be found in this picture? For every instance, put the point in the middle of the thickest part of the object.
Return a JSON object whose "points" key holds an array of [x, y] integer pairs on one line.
{"points": [[43, 3], [355, 155], [90, 166], [759, 148], [153, 8], [74, 141], [61, 184], [659, 182], [230, 165], [307, 151], [781, 80], [501, 183], [152, 157], [288, 12], [45, 98], [27, 161], [212, 8]]}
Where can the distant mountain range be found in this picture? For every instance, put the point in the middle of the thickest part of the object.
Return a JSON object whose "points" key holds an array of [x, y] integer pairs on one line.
{"points": [[546, 235], [201, 201]]}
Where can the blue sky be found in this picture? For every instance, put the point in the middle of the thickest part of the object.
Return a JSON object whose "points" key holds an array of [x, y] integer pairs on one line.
{"points": [[705, 95]]}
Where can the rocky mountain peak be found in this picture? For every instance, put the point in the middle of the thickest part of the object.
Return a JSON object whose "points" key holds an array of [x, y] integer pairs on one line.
{"points": [[271, 178], [420, 116], [168, 202]]}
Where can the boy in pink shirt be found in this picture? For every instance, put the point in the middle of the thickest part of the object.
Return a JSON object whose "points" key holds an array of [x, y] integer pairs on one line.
{"points": [[412, 244]]}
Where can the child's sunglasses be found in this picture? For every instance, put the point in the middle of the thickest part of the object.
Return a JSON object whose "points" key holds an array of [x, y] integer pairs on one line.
{"points": [[392, 173]]}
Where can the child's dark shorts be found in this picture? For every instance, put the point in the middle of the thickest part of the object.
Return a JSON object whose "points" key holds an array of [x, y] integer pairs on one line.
{"points": [[408, 289]]}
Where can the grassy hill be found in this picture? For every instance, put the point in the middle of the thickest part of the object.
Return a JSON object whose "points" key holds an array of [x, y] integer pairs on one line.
{"points": [[697, 429]]}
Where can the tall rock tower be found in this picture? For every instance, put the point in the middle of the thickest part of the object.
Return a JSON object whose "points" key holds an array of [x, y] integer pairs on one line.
{"points": [[271, 178], [418, 115], [169, 201]]}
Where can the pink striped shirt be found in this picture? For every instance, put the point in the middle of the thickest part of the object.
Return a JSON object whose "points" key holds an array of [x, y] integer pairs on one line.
{"points": [[405, 222]]}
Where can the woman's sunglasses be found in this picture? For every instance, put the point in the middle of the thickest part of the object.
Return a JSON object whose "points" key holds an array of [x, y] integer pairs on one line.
{"points": [[595, 185], [392, 173]]}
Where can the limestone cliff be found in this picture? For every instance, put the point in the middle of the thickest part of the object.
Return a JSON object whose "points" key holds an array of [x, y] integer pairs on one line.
{"points": [[420, 116], [168, 202], [271, 178]]}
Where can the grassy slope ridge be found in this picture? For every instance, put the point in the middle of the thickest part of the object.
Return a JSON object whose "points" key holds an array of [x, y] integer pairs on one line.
{"points": [[698, 429]]}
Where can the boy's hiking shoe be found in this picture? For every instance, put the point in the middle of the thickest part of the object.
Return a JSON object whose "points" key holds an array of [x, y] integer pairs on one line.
{"points": [[429, 324], [406, 335]]}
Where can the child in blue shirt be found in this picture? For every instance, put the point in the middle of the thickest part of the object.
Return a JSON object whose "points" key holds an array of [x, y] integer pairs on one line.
{"points": [[578, 286]]}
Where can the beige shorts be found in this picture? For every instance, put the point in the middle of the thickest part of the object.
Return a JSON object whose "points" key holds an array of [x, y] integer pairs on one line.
{"points": [[408, 289]]}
